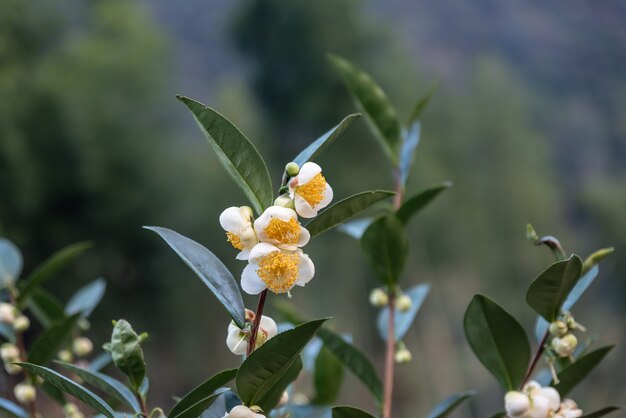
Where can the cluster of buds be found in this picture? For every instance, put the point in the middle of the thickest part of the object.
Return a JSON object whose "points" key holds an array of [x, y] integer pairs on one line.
{"points": [[403, 355], [563, 342], [237, 339], [534, 401], [81, 347], [379, 298], [10, 354], [71, 411], [10, 315], [272, 243]]}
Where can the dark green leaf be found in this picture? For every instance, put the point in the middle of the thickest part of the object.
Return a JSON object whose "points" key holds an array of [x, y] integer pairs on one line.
{"points": [[51, 267], [419, 201], [350, 412], [403, 320], [13, 410], [107, 384], [85, 300], [144, 388], [52, 340], [373, 103], [499, 415], [71, 388], [354, 360], [237, 154], [386, 245], [199, 407], [548, 292], [602, 412], [54, 393], [307, 411], [498, 340], [344, 210], [421, 104], [209, 269], [46, 307], [271, 398], [202, 391], [328, 377], [127, 353], [319, 145], [577, 371], [100, 361], [448, 405], [10, 262], [267, 364]]}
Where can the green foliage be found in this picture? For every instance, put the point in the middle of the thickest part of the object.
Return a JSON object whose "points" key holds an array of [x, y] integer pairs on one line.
{"points": [[318, 146], [46, 307], [419, 201], [202, 391], [127, 354], [85, 300], [386, 246], [12, 410], [195, 410], [52, 340], [422, 104], [349, 412], [602, 412], [403, 320], [328, 377], [573, 374], [448, 405], [272, 397]]}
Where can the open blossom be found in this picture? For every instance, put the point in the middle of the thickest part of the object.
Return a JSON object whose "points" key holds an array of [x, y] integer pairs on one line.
{"points": [[279, 226], [237, 222], [242, 411], [569, 409], [310, 190], [237, 339], [278, 270], [535, 401]]}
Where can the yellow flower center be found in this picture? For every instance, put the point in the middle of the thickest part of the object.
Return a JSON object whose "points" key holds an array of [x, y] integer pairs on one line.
{"points": [[234, 240], [313, 190], [283, 232], [279, 271]]}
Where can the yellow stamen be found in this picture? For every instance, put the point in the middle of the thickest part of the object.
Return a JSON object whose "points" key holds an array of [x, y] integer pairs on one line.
{"points": [[279, 271], [313, 191], [283, 232], [234, 240]]}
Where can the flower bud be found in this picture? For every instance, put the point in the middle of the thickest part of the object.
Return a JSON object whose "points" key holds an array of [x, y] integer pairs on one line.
{"points": [[404, 303], [569, 409], [558, 328], [516, 404], [22, 323], [72, 411], [565, 346], [378, 298], [242, 411], [292, 169], [12, 369], [285, 201], [84, 324], [403, 356], [65, 356], [7, 313], [596, 257], [25, 393], [551, 396], [9, 353], [82, 346], [247, 211]]}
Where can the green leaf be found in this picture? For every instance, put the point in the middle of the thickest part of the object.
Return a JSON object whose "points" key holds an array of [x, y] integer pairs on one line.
{"points": [[386, 245], [447, 406], [71, 388], [85, 300], [52, 340], [100, 361], [195, 410], [271, 398], [419, 201], [577, 371], [13, 410], [422, 103], [499, 415], [202, 391], [350, 412], [107, 384], [144, 388], [328, 377], [411, 139], [127, 353], [403, 320], [319, 145], [51, 267], [237, 154], [373, 103], [267, 364], [355, 361], [344, 210], [209, 269], [498, 340], [10, 262], [54, 393], [602, 412], [46, 307], [549, 291]]}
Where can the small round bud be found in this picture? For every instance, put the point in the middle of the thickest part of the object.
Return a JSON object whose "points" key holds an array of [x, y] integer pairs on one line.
{"points": [[565, 346], [9, 353], [25, 393], [285, 201], [12, 369], [7, 313], [72, 411], [404, 303], [65, 356], [516, 404], [378, 298], [82, 346], [22, 323], [84, 324], [247, 212], [403, 356], [292, 169], [558, 328]]}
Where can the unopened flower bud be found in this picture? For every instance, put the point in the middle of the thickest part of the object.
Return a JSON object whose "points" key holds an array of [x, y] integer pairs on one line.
{"points": [[242, 411], [545, 401], [82, 346], [247, 211], [65, 356], [7, 313], [378, 298], [572, 324], [403, 356], [22, 323], [12, 369], [595, 258], [72, 411], [516, 404], [9, 353], [285, 201], [558, 328], [84, 324], [25, 393], [292, 169], [404, 303], [565, 345]]}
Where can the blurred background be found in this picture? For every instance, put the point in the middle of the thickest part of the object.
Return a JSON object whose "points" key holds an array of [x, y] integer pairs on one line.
{"points": [[528, 123]]}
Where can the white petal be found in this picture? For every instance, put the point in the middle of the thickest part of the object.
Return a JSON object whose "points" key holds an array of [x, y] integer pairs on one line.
{"points": [[243, 255], [328, 197], [552, 396], [305, 236], [235, 341], [307, 172], [540, 407], [306, 270], [261, 250], [303, 208], [242, 411], [269, 326], [232, 220], [251, 283]]}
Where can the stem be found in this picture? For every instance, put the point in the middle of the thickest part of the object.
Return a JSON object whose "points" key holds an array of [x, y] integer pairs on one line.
{"points": [[389, 357], [533, 363], [397, 198], [257, 321], [142, 404]]}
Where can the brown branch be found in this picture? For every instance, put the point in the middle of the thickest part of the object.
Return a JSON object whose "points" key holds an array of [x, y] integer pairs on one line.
{"points": [[256, 323]]}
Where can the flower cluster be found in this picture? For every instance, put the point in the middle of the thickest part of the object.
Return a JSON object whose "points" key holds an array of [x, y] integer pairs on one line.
{"points": [[563, 342], [535, 401], [379, 298]]}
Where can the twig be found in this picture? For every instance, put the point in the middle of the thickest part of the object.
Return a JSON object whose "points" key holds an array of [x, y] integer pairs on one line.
{"points": [[389, 357], [256, 323]]}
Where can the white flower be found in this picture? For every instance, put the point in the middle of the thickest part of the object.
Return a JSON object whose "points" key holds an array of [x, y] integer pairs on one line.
{"points": [[242, 411], [271, 268], [533, 402], [7, 313], [565, 346], [237, 339], [310, 190], [516, 404], [237, 222], [25, 393], [279, 226], [569, 409]]}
